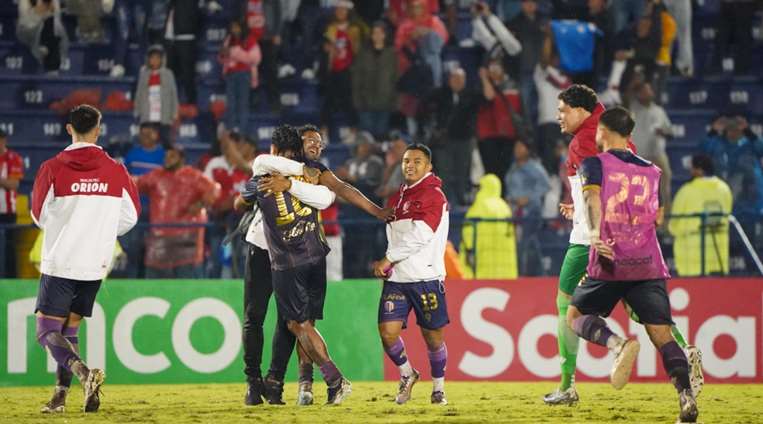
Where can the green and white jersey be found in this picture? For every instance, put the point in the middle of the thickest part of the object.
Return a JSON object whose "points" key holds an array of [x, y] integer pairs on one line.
{"points": [[580, 234]]}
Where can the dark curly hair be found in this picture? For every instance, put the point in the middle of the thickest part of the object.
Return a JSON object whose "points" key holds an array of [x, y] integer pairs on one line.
{"points": [[287, 138], [579, 95]]}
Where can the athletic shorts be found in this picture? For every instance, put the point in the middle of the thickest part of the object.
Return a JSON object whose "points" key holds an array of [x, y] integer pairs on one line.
{"points": [[58, 296], [426, 298], [648, 299], [301, 291], [573, 268]]}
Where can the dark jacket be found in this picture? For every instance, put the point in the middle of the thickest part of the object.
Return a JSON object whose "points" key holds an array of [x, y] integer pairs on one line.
{"points": [[530, 34], [187, 16], [455, 121], [374, 75]]}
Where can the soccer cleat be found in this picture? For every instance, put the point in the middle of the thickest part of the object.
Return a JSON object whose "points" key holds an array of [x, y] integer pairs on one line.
{"points": [[406, 386], [438, 398], [254, 392], [273, 391], [339, 392], [696, 377], [57, 403], [93, 389], [562, 397], [688, 405], [305, 394], [623, 365]]}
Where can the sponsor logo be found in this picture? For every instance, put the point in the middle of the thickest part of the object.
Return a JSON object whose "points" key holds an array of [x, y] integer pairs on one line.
{"points": [[90, 187]]}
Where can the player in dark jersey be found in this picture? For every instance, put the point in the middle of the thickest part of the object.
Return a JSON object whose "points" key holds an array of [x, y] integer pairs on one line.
{"points": [[297, 250], [621, 192]]}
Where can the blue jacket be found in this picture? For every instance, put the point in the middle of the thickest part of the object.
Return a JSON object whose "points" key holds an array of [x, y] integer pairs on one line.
{"points": [[739, 165]]}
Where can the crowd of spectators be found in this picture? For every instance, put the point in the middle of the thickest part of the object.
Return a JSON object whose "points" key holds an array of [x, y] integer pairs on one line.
{"points": [[381, 70]]}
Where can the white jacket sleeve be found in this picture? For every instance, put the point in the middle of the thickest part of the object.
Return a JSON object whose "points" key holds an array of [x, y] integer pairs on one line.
{"points": [[266, 164], [128, 214], [413, 241], [485, 36], [317, 196]]}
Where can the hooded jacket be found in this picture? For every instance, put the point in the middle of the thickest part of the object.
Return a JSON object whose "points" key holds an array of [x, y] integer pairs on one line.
{"points": [[417, 235], [82, 199], [167, 91], [491, 253]]}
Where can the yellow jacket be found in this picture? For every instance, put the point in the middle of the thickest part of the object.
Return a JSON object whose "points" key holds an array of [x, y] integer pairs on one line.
{"points": [[704, 194], [495, 253], [668, 36]]}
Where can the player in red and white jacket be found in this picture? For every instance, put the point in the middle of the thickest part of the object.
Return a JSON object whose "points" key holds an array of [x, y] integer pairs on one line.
{"points": [[414, 270], [82, 199]]}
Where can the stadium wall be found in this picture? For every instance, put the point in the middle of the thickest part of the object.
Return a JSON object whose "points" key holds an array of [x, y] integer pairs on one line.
{"points": [[171, 331]]}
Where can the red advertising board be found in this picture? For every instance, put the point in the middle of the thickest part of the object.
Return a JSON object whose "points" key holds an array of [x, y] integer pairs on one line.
{"points": [[506, 331]]}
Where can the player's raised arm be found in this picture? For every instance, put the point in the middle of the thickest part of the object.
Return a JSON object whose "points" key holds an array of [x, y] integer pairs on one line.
{"points": [[352, 195], [269, 164], [317, 196]]}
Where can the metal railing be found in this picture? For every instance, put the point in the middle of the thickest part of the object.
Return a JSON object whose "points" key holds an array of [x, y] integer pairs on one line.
{"points": [[364, 240]]}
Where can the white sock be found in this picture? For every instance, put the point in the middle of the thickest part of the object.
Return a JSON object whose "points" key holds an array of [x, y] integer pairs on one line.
{"points": [[438, 384], [406, 369], [614, 343]]}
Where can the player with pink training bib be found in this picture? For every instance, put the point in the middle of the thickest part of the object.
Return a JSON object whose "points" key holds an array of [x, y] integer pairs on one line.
{"points": [[622, 206]]}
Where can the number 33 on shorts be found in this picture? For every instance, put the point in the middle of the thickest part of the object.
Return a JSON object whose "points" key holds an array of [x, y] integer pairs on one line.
{"points": [[429, 302]]}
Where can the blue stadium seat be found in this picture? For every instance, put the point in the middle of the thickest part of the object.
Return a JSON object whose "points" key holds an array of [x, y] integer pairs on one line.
{"points": [[37, 92]]}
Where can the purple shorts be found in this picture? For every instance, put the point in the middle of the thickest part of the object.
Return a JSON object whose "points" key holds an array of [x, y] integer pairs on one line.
{"points": [[426, 298]]}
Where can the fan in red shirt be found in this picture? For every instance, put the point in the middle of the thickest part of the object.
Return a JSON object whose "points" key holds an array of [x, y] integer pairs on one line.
{"points": [[178, 194], [11, 173]]}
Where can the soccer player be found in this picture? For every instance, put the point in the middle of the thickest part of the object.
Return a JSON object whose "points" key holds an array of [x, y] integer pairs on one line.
{"points": [[579, 112], [297, 250], [258, 286], [622, 207], [414, 271], [82, 199]]}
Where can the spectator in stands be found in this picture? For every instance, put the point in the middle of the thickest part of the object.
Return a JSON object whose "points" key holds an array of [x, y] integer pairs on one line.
{"points": [[88, 13], [488, 249], [601, 15], [265, 20], [645, 39], [183, 23], [179, 195], [370, 11], [490, 32], [526, 185], [40, 28], [664, 60], [649, 134], [531, 28], [333, 232], [343, 39], [737, 154], [393, 160], [449, 113], [734, 41], [705, 193], [240, 56], [576, 41], [424, 33], [496, 130], [399, 9], [681, 12], [549, 82], [156, 96], [365, 169], [11, 173], [627, 11], [148, 155], [374, 76]]}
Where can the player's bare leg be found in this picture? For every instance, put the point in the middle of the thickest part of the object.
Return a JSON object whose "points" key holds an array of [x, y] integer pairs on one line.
{"points": [[313, 344], [305, 393], [438, 358], [677, 367], [594, 329], [394, 347], [50, 336]]}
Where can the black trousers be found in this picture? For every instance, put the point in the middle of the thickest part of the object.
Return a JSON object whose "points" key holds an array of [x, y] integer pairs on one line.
{"points": [[497, 154], [181, 59], [8, 248], [258, 288]]}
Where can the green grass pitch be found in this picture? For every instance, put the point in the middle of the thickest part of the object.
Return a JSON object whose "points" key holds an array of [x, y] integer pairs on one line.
{"points": [[372, 402]]}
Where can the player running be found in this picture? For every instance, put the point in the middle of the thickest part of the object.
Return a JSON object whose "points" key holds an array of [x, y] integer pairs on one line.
{"points": [[297, 250], [622, 207], [414, 272], [82, 200], [579, 112]]}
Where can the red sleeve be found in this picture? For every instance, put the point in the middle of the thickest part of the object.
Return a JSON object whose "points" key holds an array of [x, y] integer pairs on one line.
{"points": [[132, 189], [16, 167], [43, 182], [431, 210], [632, 147]]}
